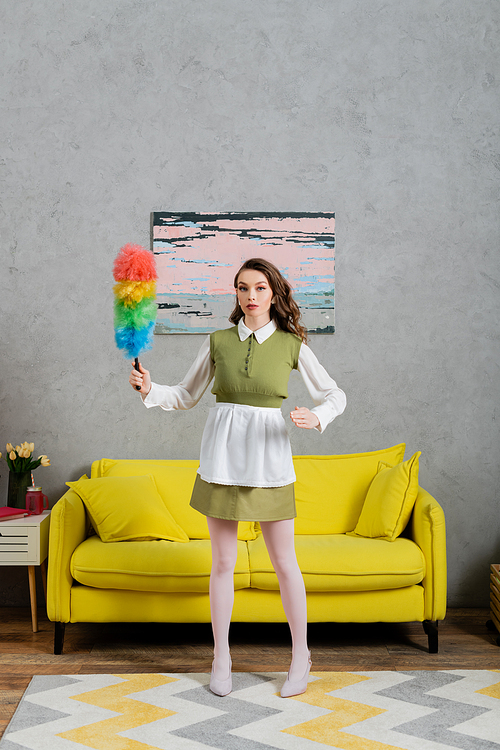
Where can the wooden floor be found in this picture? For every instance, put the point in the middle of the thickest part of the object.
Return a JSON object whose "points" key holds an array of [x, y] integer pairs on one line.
{"points": [[464, 643]]}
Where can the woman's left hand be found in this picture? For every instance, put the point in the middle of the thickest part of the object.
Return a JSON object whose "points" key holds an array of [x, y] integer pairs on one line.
{"points": [[301, 416]]}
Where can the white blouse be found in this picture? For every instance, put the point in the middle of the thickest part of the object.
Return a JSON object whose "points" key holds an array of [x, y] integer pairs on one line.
{"points": [[248, 445]]}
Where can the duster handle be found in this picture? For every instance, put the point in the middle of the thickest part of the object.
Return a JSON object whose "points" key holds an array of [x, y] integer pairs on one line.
{"points": [[136, 365]]}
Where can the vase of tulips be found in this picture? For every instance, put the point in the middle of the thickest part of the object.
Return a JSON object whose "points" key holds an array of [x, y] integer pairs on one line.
{"points": [[21, 464]]}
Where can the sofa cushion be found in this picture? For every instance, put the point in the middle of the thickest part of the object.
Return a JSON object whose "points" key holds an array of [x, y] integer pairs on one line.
{"points": [[389, 501], [151, 566], [124, 509], [175, 481], [330, 490], [338, 562]]}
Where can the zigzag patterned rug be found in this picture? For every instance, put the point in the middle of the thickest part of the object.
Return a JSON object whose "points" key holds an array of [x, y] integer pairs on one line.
{"points": [[354, 711]]}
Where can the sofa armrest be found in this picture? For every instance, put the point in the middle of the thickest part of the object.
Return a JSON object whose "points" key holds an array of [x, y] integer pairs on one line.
{"points": [[428, 530], [68, 529]]}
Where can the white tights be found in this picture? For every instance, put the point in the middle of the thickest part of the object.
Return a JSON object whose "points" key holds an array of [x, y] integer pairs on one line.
{"points": [[279, 539]]}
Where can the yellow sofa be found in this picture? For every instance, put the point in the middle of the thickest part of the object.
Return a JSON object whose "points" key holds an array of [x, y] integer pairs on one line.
{"points": [[354, 570]]}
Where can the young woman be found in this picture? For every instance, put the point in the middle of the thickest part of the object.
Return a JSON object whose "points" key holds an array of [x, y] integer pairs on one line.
{"points": [[246, 470]]}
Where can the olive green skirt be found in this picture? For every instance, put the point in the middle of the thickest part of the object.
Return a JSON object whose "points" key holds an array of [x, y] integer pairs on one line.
{"points": [[233, 503]]}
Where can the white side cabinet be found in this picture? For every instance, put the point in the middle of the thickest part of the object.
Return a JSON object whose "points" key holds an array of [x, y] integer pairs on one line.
{"points": [[25, 541]]}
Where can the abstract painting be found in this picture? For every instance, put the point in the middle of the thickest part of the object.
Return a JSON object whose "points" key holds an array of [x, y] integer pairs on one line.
{"points": [[198, 254]]}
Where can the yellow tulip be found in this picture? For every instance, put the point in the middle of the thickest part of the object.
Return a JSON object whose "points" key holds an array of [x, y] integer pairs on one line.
{"points": [[45, 461], [9, 447], [12, 455], [18, 449], [23, 453], [31, 447]]}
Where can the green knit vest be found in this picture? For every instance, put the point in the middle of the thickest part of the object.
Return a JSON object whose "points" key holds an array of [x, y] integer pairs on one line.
{"points": [[247, 372]]}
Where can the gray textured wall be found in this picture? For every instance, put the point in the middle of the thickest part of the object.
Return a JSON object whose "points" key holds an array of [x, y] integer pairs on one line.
{"points": [[385, 112]]}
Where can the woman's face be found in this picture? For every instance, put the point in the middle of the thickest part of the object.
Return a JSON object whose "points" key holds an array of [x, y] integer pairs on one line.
{"points": [[254, 295]]}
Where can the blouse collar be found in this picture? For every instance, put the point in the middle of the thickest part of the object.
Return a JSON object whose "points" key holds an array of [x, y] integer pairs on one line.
{"points": [[261, 335]]}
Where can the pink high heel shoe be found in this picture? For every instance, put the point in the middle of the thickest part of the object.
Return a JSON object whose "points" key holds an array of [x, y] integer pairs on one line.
{"points": [[221, 687], [299, 686]]}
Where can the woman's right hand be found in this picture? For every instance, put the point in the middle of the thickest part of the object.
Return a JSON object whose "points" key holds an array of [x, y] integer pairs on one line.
{"points": [[141, 378]]}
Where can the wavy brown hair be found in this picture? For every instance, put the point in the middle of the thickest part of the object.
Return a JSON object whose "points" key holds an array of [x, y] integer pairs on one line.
{"points": [[284, 310]]}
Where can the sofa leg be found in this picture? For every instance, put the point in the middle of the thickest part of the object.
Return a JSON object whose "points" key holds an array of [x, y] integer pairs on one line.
{"points": [[431, 628], [59, 637]]}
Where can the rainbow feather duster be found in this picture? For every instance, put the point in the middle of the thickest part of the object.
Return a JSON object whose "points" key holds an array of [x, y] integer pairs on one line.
{"points": [[134, 271]]}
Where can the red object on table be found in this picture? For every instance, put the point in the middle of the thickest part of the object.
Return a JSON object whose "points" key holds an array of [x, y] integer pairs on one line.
{"points": [[7, 514]]}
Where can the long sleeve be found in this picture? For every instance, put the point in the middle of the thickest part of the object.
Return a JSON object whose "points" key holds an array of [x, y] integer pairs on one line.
{"points": [[329, 399], [188, 392]]}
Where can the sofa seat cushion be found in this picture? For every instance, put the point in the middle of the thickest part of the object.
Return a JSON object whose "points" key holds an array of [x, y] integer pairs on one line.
{"points": [[155, 565], [338, 562]]}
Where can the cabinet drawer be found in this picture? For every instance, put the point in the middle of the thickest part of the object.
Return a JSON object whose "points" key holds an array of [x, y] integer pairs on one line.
{"points": [[7, 531], [18, 544]]}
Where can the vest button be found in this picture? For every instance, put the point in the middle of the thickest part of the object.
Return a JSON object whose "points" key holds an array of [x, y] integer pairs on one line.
{"points": [[246, 368]]}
